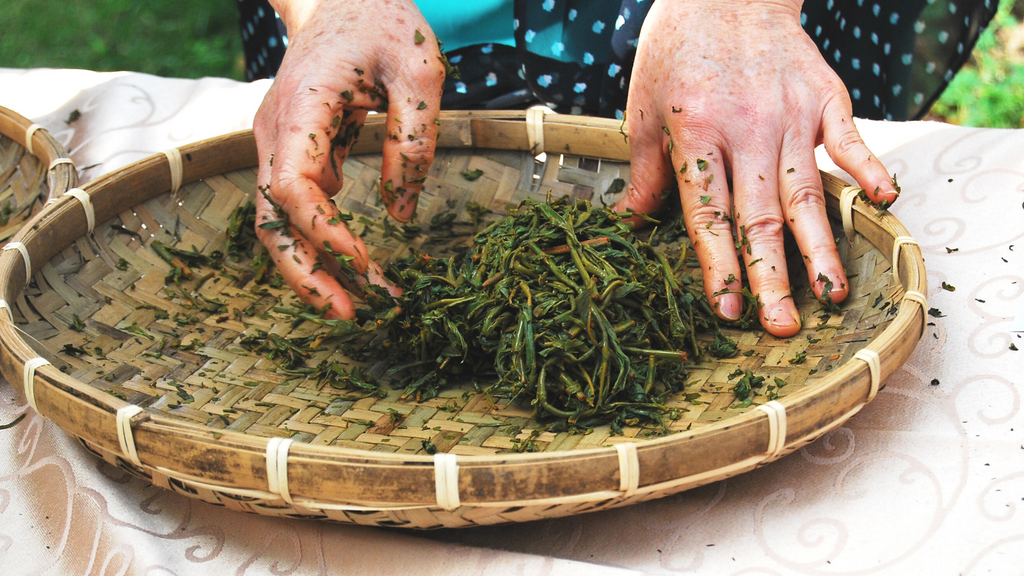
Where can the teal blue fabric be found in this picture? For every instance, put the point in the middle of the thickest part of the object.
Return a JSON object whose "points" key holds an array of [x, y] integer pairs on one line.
{"points": [[461, 24], [894, 56]]}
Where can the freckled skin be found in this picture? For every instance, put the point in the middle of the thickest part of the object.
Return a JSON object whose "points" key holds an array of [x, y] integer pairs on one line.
{"points": [[739, 84], [345, 57]]}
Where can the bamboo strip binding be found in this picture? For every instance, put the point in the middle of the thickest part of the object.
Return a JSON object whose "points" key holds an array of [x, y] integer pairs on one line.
{"points": [[457, 489], [175, 166], [124, 432], [535, 129], [29, 380], [874, 363], [277, 468], [29, 134], [629, 469], [59, 161], [90, 212], [25, 258], [446, 481]]}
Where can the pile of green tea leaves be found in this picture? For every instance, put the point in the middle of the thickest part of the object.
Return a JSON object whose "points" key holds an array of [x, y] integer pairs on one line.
{"points": [[558, 303], [562, 305]]}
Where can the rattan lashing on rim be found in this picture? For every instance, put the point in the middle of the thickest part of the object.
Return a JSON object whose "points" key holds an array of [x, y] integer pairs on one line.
{"points": [[447, 484]]}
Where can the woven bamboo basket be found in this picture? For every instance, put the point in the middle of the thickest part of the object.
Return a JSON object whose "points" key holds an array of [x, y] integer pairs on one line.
{"points": [[33, 168], [216, 423]]}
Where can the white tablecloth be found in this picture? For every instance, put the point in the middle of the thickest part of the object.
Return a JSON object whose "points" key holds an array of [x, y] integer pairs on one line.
{"points": [[927, 479]]}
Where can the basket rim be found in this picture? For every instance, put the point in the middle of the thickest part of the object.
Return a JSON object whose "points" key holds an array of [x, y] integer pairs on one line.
{"points": [[62, 174], [515, 130]]}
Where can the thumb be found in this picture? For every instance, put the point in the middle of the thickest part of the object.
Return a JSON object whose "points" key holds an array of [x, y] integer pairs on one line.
{"points": [[650, 171]]}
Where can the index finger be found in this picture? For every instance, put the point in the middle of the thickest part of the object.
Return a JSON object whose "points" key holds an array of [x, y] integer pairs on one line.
{"points": [[846, 147]]}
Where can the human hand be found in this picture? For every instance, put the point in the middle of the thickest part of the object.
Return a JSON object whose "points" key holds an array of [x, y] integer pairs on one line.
{"points": [[736, 90], [345, 57]]}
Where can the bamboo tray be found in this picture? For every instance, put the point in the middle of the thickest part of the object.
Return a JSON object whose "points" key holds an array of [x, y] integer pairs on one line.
{"points": [[213, 422], [33, 168]]}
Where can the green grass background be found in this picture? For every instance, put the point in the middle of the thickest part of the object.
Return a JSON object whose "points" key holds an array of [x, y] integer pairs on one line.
{"points": [[195, 38], [989, 90], [178, 38]]}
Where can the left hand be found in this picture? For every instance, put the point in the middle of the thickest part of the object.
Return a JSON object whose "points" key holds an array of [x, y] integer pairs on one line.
{"points": [[737, 90]]}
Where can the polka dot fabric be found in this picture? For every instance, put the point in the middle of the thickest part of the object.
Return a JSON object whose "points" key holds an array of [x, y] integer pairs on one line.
{"points": [[896, 57], [576, 56], [263, 38]]}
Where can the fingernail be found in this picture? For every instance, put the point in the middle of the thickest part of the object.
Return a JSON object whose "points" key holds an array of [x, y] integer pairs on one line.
{"points": [[730, 306], [782, 318], [837, 292]]}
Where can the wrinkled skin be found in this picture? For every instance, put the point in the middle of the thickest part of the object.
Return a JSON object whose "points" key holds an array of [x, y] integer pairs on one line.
{"points": [[738, 88], [344, 58], [735, 83]]}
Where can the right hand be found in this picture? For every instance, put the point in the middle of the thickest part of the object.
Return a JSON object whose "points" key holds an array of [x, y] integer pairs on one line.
{"points": [[736, 95], [345, 57]]}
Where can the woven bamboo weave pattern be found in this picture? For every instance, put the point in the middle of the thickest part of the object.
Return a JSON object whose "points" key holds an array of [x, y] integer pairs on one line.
{"points": [[147, 343], [22, 183], [98, 309], [26, 179]]}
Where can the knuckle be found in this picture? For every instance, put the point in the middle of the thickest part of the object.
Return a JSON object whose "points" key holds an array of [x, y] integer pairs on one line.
{"points": [[707, 226], [281, 182], [701, 214], [688, 113], [426, 75], [805, 197], [260, 124], [640, 198], [846, 143], [697, 127], [838, 99], [764, 227]]}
